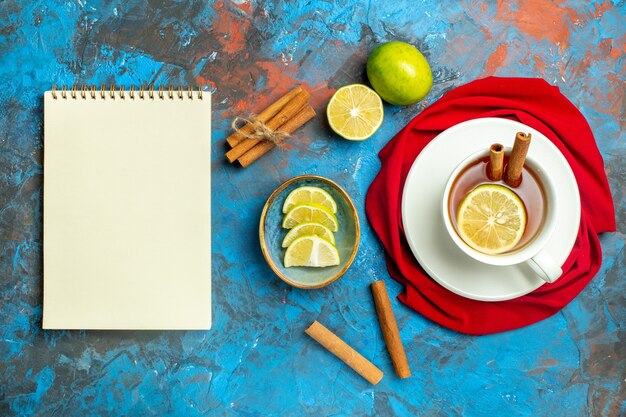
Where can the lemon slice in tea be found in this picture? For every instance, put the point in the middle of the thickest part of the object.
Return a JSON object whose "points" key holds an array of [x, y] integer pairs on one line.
{"points": [[491, 219], [311, 251], [355, 112], [308, 213], [305, 229], [306, 195]]}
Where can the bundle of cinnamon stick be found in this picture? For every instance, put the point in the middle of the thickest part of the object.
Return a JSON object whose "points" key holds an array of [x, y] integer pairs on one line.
{"points": [[266, 130]]}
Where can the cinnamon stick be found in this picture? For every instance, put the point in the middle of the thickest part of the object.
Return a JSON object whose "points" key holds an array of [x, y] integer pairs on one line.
{"points": [[304, 115], [513, 174], [264, 116], [286, 113], [390, 329], [496, 161], [340, 349]]}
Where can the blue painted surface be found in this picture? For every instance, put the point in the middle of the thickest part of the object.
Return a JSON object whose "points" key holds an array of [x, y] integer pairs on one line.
{"points": [[256, 361]]}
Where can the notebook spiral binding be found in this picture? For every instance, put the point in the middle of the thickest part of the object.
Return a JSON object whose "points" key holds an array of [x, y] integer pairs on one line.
{"points": [[91, 91]]}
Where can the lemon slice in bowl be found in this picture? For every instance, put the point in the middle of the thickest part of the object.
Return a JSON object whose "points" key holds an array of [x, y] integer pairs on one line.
{"points": [[311, 251], [307, 229], [355, 112], [309, 213], [491, 219], [307, 195]]}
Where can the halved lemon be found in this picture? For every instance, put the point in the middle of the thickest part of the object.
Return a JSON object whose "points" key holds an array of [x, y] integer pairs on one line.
{"points": [[307, 229], [491, 219], [307, 213], [355, 112], [307, 195], [312, 251]]}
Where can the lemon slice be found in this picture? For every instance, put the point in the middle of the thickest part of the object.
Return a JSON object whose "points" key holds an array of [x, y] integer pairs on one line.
{"points": [[355, 112], [307, 213], [307, 229], [491, 219], [311, 251], [306, 195]]}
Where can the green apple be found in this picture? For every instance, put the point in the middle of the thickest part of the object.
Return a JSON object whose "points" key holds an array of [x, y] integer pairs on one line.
{"points": [[399, 73]]}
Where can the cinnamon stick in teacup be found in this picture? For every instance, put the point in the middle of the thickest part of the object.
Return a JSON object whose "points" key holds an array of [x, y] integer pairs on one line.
{"points": [[513, 174], [496, 162], [340, 349]]}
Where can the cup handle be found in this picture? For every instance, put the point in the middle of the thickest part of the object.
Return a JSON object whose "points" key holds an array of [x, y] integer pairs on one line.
{"points": [[545, 267]]}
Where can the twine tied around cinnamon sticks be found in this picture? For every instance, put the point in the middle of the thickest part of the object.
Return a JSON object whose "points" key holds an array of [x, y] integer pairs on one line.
{"points": [[268, 129], [259, 130]]}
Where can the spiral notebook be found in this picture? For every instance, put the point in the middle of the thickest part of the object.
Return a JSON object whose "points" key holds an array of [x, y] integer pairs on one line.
{"points": [[127, 209]]}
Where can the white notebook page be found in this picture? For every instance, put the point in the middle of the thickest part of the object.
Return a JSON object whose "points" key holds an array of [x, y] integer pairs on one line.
{"points": [[127, 212]]}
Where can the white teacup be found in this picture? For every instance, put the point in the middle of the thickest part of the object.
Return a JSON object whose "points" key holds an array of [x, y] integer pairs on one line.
{"points": [[532, 253]]}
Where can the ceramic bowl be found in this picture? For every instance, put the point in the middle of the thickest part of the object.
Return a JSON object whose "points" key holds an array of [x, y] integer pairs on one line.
{"points": [[271, 234]]}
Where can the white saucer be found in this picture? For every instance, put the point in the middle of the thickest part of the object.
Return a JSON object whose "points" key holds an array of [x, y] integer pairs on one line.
{"points": [[427, 236]]}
